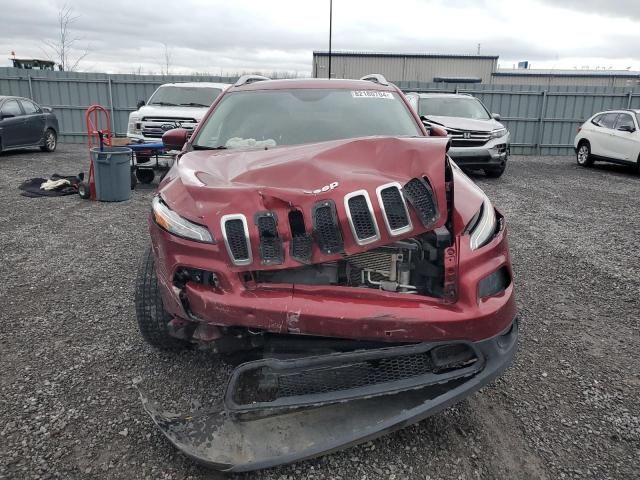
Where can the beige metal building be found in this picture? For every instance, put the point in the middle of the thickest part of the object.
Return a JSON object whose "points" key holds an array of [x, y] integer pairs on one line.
{"points": [[578, 78], [412, 67], [405, 67]]}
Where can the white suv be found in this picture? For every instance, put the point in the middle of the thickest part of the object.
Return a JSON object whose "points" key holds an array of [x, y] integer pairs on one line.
{"points": [[612, 136], [172, 105], [478, 139]]}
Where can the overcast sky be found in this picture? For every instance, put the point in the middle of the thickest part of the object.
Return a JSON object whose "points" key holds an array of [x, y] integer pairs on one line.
{"points": [[124, 36]]}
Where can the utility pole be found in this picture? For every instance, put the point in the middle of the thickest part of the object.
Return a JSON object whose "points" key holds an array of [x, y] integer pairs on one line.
{"points": [[330, 22], [478, 49]]}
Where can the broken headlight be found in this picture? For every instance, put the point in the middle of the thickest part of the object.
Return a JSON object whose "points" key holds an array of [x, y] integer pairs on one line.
{"points": [[175, 224], [485, 226]]}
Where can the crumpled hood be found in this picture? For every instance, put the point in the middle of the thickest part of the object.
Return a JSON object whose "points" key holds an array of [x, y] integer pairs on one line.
{"points": [[467, 123], [171, 112], [205, 185]]}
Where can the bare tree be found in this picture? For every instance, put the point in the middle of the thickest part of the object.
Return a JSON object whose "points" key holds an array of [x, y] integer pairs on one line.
{"points": [[64, 46]]}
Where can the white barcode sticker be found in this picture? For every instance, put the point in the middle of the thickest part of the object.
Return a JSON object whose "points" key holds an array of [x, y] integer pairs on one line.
{"points": [[371, 94]]}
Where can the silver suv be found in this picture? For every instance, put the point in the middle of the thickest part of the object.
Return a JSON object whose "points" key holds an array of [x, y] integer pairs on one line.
{"points": [[479, 140]]}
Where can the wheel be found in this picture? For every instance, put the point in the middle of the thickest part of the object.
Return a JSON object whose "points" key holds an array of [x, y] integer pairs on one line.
{"points": [[84, 190], [151, 315], [134, 180], [145, 175], [496, 172], [583, 156], [50, 141]]}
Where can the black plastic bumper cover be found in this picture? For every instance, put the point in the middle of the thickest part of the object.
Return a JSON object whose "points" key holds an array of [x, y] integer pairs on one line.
{"points": [[234, 443]]}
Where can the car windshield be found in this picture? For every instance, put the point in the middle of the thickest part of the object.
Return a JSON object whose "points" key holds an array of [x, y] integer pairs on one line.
{"points": [[453, 107], [268, 118], [184, 96]]}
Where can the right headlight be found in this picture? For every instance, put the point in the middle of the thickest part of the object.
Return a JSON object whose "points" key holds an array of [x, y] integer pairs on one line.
{"points": [[501, 132], [174, 223], [484, 228]]}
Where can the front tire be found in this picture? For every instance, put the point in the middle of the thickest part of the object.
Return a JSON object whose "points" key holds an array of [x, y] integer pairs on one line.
{"points": [[145, 175], [583, 155], [50, 141], [150, 313]]}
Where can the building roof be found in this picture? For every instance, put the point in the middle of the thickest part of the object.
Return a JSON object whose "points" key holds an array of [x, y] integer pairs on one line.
{"points": [[51, 62], [349, 53], [565, 73]]}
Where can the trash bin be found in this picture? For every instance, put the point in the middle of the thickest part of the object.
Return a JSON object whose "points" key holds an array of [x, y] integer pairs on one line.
{"points": [[112, 170]]}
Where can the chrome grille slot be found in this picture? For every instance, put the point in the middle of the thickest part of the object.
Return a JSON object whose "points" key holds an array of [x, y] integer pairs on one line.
{"points": [[394, 208], [236, 238], [361, 218]]}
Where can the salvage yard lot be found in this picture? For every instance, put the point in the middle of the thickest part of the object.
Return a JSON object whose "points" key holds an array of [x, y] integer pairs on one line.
{"points": [[70, 349]]}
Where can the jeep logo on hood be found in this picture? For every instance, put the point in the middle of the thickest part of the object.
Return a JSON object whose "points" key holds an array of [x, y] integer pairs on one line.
{"points": [[326, 188]]}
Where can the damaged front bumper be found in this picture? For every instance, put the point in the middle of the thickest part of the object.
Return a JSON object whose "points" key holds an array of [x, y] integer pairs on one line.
{"points": [[303, 408]]}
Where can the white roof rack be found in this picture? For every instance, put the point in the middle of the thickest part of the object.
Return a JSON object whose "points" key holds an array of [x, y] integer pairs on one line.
{"points": [[245, 79], [376, 78]]}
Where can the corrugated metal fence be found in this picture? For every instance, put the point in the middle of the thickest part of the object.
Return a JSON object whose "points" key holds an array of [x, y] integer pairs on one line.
{"points": [[71, 93], [542, 120]]}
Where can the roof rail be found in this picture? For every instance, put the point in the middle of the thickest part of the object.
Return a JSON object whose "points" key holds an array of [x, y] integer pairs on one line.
{"points": [[375, 78], [245, 79]]}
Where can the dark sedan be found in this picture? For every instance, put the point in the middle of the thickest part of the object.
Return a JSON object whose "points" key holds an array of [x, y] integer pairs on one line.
{"points": [[24, 123]]}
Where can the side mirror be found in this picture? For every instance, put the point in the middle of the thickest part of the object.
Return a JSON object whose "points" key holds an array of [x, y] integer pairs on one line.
{"points": [[496, 116], [140, 104], [626, 128], [175, 139], [438, 131], [47, 109]]}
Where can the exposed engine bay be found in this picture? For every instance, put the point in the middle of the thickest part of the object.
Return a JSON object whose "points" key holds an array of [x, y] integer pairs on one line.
{"points": [[413, 266]]}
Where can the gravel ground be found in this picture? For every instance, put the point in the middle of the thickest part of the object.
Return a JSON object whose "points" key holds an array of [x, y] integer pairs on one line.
{"points": [[70, 350]]}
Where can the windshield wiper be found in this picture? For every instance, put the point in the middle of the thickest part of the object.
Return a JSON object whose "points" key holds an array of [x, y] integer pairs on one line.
{"points": [[164, 104], [204, 147], [194, 104]]}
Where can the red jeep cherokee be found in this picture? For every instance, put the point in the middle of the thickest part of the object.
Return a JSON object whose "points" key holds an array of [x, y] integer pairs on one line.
{"points": [[318, 227]]}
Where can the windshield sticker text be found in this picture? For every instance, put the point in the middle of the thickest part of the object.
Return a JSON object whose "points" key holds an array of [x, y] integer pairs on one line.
{"points": [[371, 94]]}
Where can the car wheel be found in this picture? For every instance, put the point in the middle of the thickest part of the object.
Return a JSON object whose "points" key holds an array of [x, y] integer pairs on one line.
{"points": [[496, 172], [145, 175], [583, 156], [50, 141], [150, 313]]}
